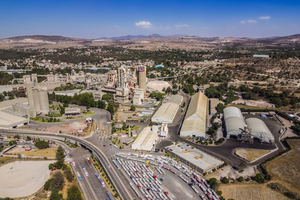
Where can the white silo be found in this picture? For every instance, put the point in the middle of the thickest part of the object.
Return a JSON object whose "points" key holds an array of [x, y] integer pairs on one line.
{"points": [[36, 99], [30, 94], [44, 101]]}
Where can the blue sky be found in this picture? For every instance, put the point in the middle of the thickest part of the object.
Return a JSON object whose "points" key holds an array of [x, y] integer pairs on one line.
{"points": [[110, 18]]}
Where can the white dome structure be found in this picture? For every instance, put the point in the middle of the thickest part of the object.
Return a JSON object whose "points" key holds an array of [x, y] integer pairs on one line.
{"points": [[157, 86]]}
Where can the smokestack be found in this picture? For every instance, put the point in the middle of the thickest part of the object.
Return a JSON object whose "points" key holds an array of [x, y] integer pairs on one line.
{"points": [[142, 78]]}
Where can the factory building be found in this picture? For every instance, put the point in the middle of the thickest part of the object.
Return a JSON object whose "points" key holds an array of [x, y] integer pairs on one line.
{"points": [[37, 98], [251, 128], [138, 97], [8, 121], [146, 140], [168, 109], [195, 120]]}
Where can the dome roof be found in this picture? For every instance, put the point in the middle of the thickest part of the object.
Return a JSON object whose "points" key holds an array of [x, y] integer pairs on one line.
{"points": [[158, 85]]}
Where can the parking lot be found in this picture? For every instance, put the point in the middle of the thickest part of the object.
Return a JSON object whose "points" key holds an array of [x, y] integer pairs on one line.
{"points": [[162, 178]]}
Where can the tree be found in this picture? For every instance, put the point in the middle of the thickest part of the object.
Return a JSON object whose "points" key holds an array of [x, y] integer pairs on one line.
{"points": [[241, 179], [107, 97], [17, 136], [101, 104], [41, 145], [74, 193], [259, 178], [58, 181], [132, 108], [12, 142], [47, 184], [225, 180], [55, 195], [242, 165], [220, 108]]}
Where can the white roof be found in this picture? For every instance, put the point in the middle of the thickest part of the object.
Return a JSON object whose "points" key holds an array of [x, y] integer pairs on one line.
{"points": [[165, 113], [232, 111], [8, 120], [158, 85], [145, 140], [193, 127], [234, 125], [259, 129], [197, 107]]}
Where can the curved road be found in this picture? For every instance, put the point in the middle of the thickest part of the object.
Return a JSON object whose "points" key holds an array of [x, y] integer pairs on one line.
{"points": [[117, 182]]}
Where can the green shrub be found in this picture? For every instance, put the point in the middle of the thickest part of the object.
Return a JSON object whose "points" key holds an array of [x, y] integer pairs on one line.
{"points": [[47, 185], [42, 145]]}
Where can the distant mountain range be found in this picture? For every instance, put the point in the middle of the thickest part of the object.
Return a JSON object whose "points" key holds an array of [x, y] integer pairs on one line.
{"points": [[61, 39]]}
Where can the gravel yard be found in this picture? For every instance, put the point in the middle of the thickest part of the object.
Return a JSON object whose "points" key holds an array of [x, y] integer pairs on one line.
{"points": [[23, 178]]}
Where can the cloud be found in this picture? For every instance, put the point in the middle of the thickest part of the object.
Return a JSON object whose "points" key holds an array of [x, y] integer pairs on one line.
{"points": [[144, 24], [181, 25], [250, 21], [265, 17]]}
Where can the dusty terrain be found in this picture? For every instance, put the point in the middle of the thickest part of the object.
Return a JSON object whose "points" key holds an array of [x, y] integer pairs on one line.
{"points": [[49, 153], [229, 172], [250, 191], [23, 178], [251, 154], [72, 127], [285, 169]]}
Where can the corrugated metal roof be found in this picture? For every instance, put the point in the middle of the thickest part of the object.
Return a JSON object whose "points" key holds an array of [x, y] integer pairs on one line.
{"points": [[166, 112], [8, 120], [193, 127], [8, 103], [232, 111], [198, 106], [259, 129], [234, 125], [176, 99], [145, 140]]}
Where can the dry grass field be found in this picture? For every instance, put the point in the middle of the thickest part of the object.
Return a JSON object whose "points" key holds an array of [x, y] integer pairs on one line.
{"points": [[49, 153], [285, 169], [250, 154], [250, 191]]}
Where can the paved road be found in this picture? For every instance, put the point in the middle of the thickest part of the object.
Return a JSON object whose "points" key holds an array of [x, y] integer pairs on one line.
{"points": [[106, 163]]}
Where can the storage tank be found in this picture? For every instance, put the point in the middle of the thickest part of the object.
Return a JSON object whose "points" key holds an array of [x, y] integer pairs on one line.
{"points": [[30, 94], [36, 99], [142, 77], [44, 101]]}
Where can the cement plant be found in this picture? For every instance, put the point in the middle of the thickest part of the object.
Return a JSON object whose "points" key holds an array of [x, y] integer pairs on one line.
{"points": [[149, 116]]}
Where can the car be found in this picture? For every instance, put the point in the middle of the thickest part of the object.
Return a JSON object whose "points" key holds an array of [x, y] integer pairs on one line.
{"points": [[73, 163], [161, 179], [104, 145], [86, 174]]}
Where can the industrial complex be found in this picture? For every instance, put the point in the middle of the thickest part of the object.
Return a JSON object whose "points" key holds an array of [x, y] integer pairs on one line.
{"points": [[246, 130]]}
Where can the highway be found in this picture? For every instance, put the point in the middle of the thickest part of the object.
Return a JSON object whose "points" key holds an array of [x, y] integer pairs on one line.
{"points": [[114, 177]]}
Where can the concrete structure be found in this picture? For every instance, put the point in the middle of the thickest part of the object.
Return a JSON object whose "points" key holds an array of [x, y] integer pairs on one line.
{"points": [[194, 158], [260, 56], [10, 103], [162, 130], [213, 102], [195, 120], [138, 97], [36, 100], [165, 113], [29, 87], [253, 127], [70, 93], [146, 140], [157, 86], [8, 121], [23, 110], [75, 111], [44, 101], [142, 77]]}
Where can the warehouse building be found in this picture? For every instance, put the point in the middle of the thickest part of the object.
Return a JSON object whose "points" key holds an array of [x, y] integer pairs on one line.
{"points": [[8, 121], [253, 127], [146, 140], [195, 120], [167, 111], [194, 158]]}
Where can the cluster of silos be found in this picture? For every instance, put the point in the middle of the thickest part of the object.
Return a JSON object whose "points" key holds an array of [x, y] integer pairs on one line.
{"points": [[38, 98], [142, 78]]}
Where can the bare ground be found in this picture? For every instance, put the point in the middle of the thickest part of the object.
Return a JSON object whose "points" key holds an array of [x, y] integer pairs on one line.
{"points": [[251, 154], [250, 191], [67, 128]]}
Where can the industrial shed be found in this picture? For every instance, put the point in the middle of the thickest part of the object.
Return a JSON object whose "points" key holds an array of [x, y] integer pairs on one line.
{"points": [[259, 130], [165, 113], [234, 121], [146, 140], [236, 125], [195, 119], [8, 121], [193, 127]]}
